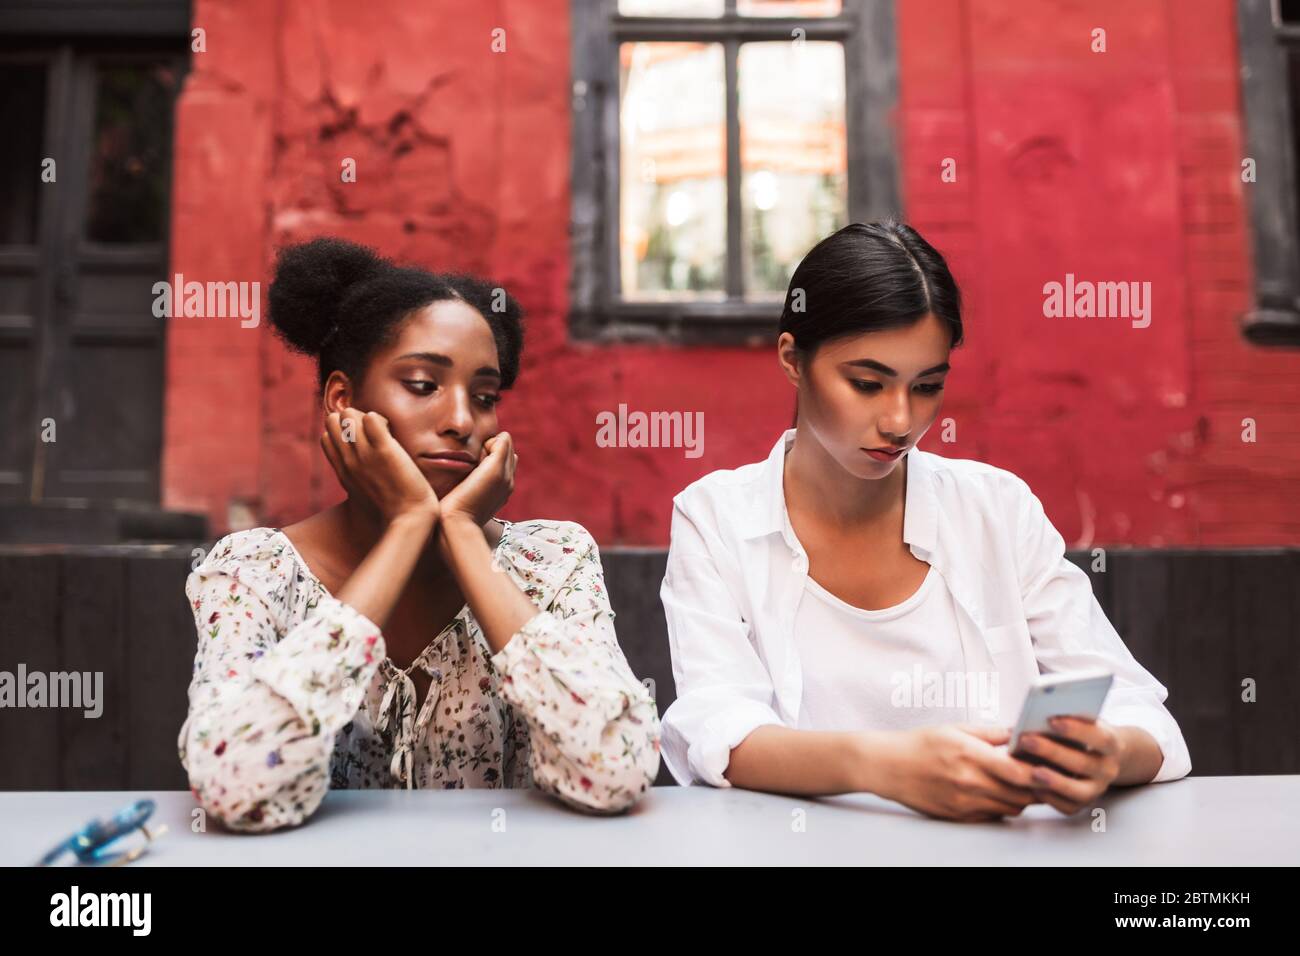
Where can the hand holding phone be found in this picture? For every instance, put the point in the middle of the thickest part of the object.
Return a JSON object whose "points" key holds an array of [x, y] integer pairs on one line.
{"points": [[1077, 760], [1073, 694]]}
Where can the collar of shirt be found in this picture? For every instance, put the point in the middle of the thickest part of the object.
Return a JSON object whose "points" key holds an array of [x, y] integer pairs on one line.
{"points": [[767, 514]]}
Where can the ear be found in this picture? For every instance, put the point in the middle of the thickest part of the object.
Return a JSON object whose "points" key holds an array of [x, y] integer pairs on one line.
{"points": [[337, 393], [788, 358]]}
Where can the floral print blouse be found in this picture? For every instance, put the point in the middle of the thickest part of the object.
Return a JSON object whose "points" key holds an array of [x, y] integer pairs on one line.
{"points": [[293, 692]]}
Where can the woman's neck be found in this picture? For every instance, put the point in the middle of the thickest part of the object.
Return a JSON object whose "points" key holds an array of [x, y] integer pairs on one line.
{"points": [[817, 486]]}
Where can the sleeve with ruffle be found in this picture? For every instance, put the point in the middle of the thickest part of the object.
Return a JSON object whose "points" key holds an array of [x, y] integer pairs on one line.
{"points": [[593, 727], [266, 699]]}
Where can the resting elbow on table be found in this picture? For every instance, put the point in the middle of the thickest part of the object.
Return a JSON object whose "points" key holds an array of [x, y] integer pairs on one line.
{"points": [[594, 728], [245, 790], [625, 773], [605, 791]]}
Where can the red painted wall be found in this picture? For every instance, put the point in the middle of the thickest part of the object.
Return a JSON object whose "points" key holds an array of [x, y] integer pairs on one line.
{"points": [[1121, 165]]}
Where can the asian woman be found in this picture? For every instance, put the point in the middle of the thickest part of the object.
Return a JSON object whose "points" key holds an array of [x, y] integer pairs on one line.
{"points": [[856, 614]]}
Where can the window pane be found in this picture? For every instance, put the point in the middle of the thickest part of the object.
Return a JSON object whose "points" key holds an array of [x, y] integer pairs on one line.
{"points": [[671, 8], [130, 152], [1293, 58], [672, 170], [22, 117], [793, 157], [788, 8]]}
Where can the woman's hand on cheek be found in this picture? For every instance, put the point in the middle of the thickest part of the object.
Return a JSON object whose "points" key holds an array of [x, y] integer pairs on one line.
{"points": [[488, 487], [1093, 770], [371, 464]]}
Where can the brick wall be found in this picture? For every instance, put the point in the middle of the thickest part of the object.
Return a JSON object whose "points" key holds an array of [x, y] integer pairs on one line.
{"points": [[1121, 165]]}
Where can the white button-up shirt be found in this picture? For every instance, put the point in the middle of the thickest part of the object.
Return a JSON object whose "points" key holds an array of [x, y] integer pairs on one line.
{"points": [[736, 574]]}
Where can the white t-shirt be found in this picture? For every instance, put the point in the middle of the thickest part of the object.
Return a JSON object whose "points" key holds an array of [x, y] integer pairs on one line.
{"points": [[889, 669]]}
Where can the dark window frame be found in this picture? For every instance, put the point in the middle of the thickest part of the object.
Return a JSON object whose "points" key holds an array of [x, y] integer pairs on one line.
{"points": [[133, 19], [1274, 318], [865, 27]]}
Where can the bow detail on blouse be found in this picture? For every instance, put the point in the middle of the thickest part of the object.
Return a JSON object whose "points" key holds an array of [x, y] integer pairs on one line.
{"points": [[398, 710], [540, 568]]}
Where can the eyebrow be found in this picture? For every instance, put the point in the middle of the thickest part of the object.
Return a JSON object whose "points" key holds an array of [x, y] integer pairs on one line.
{"points": [[886, 370], [438, 358]]}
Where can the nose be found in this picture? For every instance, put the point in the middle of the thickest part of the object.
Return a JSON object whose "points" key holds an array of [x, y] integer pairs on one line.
{"points": [[455, 415], [895, 421]]}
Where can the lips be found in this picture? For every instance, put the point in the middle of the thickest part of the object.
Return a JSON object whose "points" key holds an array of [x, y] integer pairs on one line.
{"points": [[459, 461], [449, 456], [885, 454]]}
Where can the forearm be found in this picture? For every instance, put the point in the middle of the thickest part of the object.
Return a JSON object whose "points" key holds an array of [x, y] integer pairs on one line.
{"points": [[264, 705], [378, 581], [783, 760], [498, 605], [1139, 757], [257, 767]]}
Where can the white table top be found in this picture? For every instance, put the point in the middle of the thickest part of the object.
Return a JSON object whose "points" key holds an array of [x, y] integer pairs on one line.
{"points": [[1194, 821]]}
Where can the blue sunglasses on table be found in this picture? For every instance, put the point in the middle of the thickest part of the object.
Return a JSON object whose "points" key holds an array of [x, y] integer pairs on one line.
{"points": [[90, 844]]}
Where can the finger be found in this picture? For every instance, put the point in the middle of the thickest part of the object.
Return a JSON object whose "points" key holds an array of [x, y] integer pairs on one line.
{"points": [[1004, 767], [1079, 762], [336, 462], [1001, 777], [377, 431], [343, 428], [373, 437], [1008, 808], [1048, 779], [1068, 807], [501, 445], [1006, 793], [334, 427], [1091, 734], [1002, 774], [361, 443]]}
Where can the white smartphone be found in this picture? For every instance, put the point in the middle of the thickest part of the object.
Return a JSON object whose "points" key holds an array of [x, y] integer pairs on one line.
{"points": [[1071, 694]]}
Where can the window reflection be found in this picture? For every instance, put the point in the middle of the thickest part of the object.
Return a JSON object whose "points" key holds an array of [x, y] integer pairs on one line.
{"points": [[673, 222], [794, 186]]}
